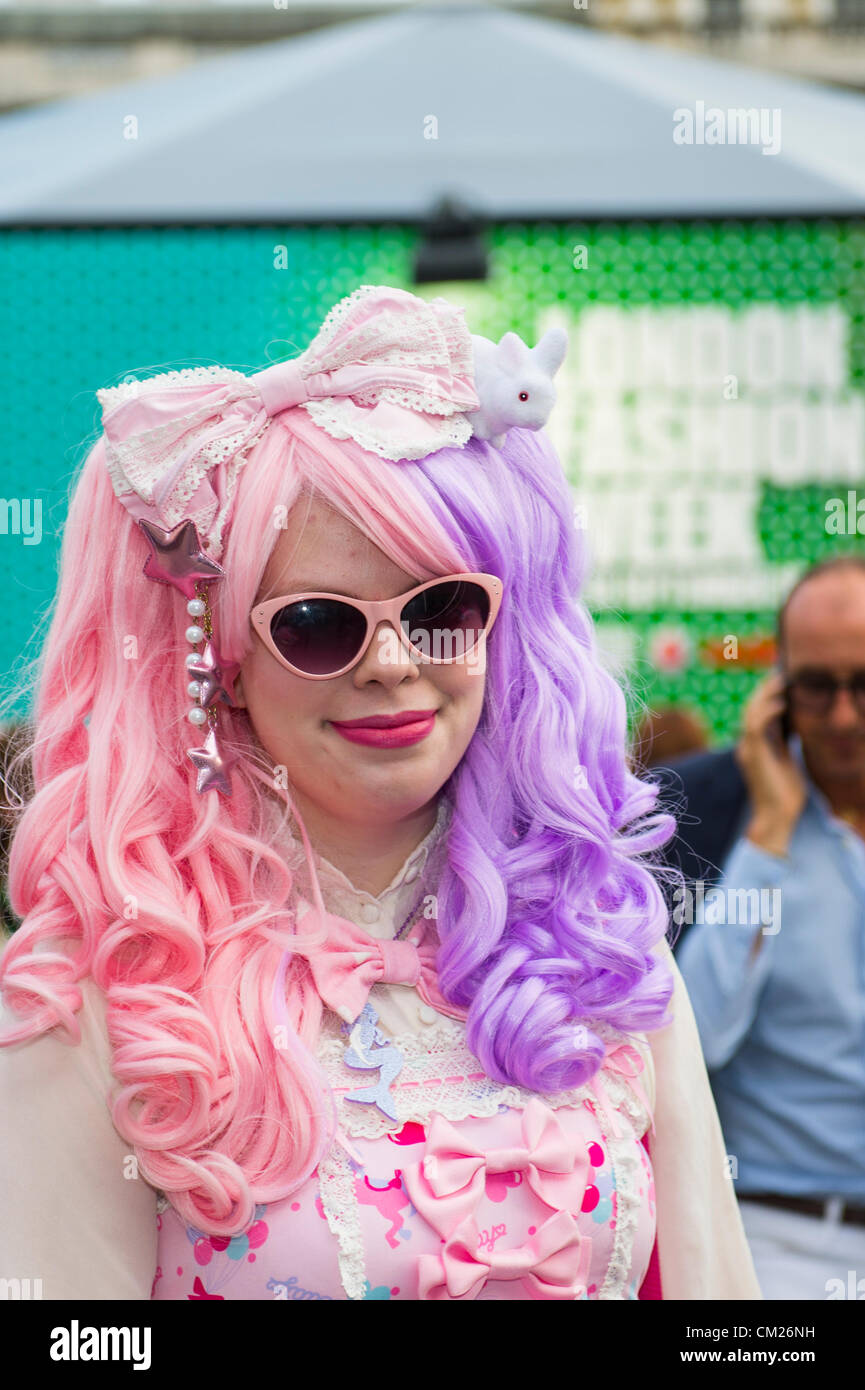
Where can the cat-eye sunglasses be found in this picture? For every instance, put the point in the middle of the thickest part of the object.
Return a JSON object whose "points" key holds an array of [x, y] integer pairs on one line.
{"points": [[322, 635]]}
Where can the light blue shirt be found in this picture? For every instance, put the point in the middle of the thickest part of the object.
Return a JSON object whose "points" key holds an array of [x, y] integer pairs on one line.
{"points": [[783, 1035]]}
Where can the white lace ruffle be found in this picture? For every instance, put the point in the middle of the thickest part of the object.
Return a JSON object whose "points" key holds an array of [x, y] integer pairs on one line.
{"points": [[142, 464], [441, 1076], [338, 417], [111, 396], [339, 1204], [397, 336], [626, 1170], [441, 335]]}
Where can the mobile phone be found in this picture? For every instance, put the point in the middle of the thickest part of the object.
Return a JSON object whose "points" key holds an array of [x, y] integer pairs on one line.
{"points": [[784, 726], [780, 729], [784, 723]]}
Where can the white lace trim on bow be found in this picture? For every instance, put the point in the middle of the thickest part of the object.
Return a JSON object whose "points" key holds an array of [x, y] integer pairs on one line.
{"points": [[111, 396], [442, 336], [141, 463], [339, 417], [437, 338]]}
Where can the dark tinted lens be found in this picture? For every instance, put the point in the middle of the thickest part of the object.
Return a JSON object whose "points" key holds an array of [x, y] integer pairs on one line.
{"points": [[812, 691], [446, 621], [817, 690], [319, 635]]}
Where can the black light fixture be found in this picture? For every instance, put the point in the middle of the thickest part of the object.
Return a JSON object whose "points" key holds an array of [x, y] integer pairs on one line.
{"points": [[452, 247]]}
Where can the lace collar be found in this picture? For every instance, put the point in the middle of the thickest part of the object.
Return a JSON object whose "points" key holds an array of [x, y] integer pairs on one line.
{"points": [[381, 915]]}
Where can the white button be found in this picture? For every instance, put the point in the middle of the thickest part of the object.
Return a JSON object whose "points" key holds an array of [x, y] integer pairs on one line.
{"points": [[427, 1014], [412, 873], [370, 912]]}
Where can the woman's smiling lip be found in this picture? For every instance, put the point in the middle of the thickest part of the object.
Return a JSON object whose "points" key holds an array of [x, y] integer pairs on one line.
{"points": [[385, 721], [388, 730]]}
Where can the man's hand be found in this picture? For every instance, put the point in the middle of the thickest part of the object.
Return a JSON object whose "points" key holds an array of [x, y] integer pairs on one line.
{"points": [[775, 783]]}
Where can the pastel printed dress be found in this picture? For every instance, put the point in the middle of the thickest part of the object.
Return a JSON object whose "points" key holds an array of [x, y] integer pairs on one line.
{"points": [[471, 1189], [442, 1184]]}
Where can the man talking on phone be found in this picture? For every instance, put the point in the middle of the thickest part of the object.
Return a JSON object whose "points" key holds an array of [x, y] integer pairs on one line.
{"points": [[773, 951]]}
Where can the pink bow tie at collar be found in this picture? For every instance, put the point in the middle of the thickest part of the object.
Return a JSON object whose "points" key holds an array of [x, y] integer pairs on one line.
{"points": [[349, 961], [553, 1263], [449, 1182], [626, 1060]]}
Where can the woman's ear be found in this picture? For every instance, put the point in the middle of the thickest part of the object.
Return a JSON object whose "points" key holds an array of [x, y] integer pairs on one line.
{"points": [[239, 697]]}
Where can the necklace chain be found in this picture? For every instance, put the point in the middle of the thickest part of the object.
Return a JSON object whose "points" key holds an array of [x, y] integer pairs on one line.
{"points": [[409, 919], [412, 915]]}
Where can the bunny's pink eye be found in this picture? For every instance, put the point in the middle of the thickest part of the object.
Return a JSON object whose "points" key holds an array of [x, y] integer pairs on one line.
{"points": [[524, 395]]}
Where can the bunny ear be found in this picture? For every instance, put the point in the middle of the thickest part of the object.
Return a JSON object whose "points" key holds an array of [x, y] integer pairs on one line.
{"points": [[512, 351], [549, 353]]}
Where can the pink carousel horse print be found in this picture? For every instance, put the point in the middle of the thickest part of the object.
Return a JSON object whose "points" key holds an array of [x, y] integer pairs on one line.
{"points": [[389, 1200]]}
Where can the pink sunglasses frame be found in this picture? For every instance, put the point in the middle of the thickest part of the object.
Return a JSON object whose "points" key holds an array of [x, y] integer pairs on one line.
{"points": [[375, 612]]}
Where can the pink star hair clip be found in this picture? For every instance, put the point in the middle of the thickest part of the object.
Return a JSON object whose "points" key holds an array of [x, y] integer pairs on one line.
{"points": [[176, 558]]}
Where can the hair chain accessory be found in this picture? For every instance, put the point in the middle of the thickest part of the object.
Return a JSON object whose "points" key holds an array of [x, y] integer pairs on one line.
{"points": [[176, 558]]}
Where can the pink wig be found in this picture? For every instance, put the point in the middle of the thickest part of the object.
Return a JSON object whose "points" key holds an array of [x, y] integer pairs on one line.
{"points": [[176, 903]]}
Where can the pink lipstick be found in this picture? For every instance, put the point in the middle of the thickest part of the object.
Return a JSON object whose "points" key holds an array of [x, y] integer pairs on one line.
{"points": [[388, 730]]}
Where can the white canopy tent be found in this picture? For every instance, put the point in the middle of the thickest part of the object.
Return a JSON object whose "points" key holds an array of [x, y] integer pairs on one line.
{"points": [[518, 117]]}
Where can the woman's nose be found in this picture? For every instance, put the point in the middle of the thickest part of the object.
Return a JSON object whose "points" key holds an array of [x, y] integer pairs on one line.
{"points": [[386, 657]]}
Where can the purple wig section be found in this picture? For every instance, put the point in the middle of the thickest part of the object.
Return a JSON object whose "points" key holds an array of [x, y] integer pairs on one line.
{"points": [[547, 917]]}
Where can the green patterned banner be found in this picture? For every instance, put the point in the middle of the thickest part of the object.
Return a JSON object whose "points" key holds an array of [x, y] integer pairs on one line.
{"points": [[710, 416]]}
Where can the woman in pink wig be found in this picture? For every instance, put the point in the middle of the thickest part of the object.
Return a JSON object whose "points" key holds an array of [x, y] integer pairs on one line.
{"points": [[342, 971]]}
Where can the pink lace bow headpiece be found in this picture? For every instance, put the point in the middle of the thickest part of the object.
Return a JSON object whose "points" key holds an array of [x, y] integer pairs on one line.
{"points": [[400, 376]]}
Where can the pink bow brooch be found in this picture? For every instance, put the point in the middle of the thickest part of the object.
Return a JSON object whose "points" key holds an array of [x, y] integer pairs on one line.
{"points": [[449, 1181], [553, 1263], [348, 962]]}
